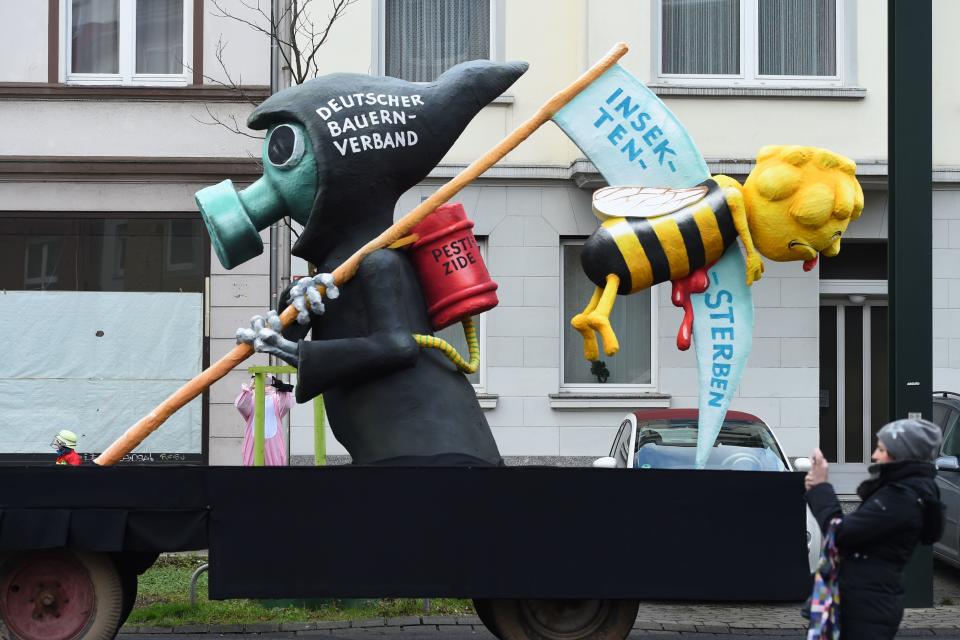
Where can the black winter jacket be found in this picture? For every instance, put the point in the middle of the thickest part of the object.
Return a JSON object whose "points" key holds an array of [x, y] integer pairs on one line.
{"points": [[876, 541]]}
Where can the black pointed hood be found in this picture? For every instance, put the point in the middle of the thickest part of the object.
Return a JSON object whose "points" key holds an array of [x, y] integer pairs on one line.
{"points": [[374, 137]]}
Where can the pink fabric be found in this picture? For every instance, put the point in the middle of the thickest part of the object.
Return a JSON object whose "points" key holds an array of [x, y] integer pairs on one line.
{"points": [[275, 445]]}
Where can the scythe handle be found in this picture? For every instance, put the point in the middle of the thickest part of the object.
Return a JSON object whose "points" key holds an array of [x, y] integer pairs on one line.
{"points": [[149, 423]]}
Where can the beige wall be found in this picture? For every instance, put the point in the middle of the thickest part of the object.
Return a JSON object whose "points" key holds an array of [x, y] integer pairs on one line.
{"points": [[246, 53], [559, 38], [114, 128], [946, 89], [23, 42]]}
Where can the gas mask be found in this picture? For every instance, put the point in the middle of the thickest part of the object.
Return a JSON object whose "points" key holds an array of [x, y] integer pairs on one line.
{"points": [[287, 188]]}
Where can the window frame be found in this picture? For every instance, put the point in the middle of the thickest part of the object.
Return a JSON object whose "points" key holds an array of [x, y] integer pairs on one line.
{"points": [[749, 75], [604, 388], [126, 52], [497, 12]]}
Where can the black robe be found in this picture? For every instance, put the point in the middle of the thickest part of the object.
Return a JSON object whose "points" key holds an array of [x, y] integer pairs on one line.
{"points": [[388, 400], [876, 541]]}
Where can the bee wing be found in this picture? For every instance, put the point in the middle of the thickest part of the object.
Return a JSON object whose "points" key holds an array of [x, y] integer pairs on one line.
{"points": [[643, 202]]}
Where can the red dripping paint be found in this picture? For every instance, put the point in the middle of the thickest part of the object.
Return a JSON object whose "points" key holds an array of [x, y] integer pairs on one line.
{"points": [[811, 263], [696, 282]]}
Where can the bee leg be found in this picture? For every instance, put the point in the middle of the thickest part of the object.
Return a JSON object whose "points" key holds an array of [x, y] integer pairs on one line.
{"points": [[591, 350], [599, 318]]}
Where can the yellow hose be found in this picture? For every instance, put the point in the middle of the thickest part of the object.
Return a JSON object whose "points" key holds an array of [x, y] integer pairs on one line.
{"points": [[473, 344]]}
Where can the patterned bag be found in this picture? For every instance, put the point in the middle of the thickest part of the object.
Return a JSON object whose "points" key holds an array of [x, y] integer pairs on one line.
{"points": [[825, 599]]}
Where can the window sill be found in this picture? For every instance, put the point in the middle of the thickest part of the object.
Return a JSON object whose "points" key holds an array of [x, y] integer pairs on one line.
{"points": [[506, 98], [693, 91], [189, 93], [487, 400], [579, 400]]}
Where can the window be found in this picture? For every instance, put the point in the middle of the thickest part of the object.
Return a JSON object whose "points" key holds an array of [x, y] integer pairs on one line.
{"points": [[134, 42], [632, 320], [420, 39], [102, 253], [751, 42]]}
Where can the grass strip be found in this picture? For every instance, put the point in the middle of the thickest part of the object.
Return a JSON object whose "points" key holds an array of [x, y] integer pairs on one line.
{"points": [[163, 599]]}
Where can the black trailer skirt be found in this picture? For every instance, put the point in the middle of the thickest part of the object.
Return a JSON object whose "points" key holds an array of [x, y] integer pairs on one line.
{"points": [[516, 532]]}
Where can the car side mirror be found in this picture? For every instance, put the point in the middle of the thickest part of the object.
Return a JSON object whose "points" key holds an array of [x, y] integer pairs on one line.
{"points": [[944, 463], [605, 463], [801, 464]]}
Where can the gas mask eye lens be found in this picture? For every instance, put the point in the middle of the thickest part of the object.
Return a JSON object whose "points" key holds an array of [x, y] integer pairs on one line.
{"points": [[285, 146]]}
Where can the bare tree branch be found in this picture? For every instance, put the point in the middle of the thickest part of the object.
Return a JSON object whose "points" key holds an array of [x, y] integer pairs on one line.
{"points": [[232, 126]]}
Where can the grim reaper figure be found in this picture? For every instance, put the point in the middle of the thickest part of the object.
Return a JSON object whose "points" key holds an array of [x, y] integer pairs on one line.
{"points": [[339, 152]]}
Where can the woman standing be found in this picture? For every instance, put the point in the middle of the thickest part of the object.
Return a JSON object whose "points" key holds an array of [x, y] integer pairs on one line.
{"points": [[900, 508]]}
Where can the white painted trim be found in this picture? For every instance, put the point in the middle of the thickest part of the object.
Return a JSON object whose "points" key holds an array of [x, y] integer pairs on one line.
{"points": [[654, 401], [786, 91], [846, 287], [126, 51], [749, 55], [487, 401], [610, 388]]}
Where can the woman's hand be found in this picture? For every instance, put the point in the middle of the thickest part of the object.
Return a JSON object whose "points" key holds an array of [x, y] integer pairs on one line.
{"points": [[818, 470]]}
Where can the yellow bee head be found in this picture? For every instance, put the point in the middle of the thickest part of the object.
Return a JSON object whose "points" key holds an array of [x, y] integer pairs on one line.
{"points": [[799, 202]]}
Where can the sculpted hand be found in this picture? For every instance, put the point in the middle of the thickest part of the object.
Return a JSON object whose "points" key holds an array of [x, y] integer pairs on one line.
{"points": [[754, 267], [264, 335], [818, 470], [305, 297]]}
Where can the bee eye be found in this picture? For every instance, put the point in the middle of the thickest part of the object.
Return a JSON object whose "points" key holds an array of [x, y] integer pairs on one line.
{"points": [[285, 146]]}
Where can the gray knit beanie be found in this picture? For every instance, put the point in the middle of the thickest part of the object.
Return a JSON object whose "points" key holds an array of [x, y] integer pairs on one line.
{"points": [[911, 439]]}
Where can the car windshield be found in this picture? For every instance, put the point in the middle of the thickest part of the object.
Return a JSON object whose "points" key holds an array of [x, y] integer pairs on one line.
{"points": [[741, 446]]}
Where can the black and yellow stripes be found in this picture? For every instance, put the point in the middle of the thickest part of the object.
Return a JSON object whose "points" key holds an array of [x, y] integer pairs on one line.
{"points": [[647, 251]]}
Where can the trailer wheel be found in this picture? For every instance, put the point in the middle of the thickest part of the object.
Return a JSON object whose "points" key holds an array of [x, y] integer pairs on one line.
{"points": [[60, 595], [563, 619], [484, 609]]}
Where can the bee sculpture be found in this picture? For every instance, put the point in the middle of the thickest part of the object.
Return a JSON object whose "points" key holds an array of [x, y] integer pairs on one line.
{"points": [[794, 205]]}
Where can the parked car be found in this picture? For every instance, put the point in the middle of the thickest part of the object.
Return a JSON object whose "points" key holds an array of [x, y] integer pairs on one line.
{"points": [[946, 413], [667, 439]]}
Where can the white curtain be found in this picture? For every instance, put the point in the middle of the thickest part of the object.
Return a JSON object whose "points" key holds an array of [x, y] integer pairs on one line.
{"points": [[424, 38], [94, 37], [630, 320], [798, 37], [701, 37], [159, 36]]}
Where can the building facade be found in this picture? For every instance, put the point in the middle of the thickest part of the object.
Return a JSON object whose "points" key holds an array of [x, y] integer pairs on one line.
{"points": [[125, 142]]}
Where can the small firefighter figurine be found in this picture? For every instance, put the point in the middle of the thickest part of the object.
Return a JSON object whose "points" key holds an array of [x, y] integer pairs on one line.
{"points": [[65, 443]]}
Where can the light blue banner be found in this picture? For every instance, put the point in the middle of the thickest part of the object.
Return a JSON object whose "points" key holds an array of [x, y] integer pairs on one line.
{"points": [[634, 140], [630, 135], [722, 337]]}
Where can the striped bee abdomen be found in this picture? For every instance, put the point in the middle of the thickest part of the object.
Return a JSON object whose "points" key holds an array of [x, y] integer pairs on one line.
{"points": [[647, 251]]}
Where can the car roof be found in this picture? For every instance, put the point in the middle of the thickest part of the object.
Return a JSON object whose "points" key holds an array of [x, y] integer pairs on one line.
{"points": [[948, 398], [689, 414]]}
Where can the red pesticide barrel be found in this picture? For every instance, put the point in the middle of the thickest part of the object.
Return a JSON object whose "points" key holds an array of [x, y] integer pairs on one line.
{"points": [[454, 278]]}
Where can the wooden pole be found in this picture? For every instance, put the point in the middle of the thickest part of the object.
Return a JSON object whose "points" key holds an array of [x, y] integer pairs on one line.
{"points": [[149, 423]]}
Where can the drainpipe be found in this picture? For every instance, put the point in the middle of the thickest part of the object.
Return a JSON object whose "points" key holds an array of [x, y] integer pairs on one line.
{"points": [[279, 232]]}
